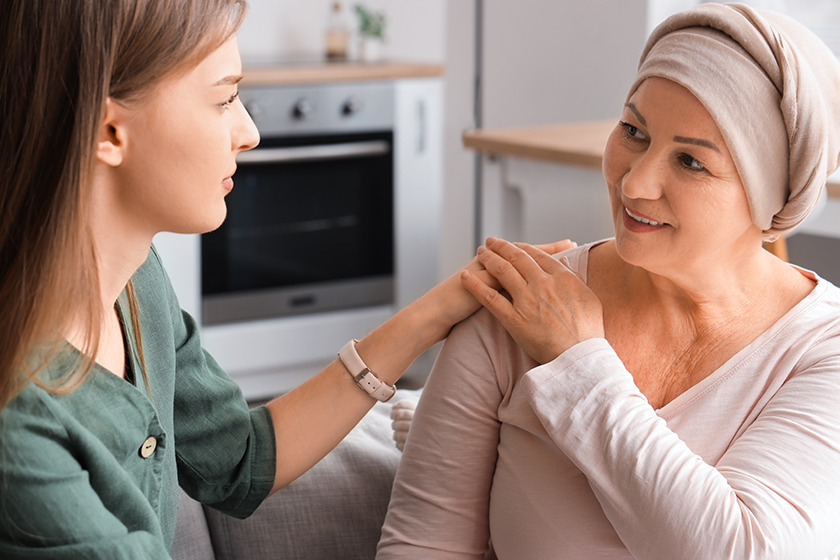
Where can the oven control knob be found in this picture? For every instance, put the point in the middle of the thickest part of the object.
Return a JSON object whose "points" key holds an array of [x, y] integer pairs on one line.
{"points": [[352, 106], [302, 109]]}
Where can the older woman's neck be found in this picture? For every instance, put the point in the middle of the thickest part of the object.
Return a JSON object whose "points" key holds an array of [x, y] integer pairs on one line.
{"points": [[720, 288]]}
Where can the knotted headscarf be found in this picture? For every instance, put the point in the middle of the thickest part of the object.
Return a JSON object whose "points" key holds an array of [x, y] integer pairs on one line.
{"points": [[773, 89]]}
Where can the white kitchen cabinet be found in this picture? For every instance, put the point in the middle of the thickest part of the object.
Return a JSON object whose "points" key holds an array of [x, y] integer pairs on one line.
{"points": [[539, 202], [418, 170]]}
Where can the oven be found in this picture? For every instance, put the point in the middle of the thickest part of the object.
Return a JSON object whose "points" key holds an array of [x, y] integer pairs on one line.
{"points": [[310, 222], [333, 224]]}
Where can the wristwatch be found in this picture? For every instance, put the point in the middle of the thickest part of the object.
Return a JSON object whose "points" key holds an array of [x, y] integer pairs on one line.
{"points": [[362, 375]]}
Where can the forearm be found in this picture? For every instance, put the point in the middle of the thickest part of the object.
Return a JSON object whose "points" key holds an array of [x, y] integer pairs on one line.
{"points": [[312, 419]]}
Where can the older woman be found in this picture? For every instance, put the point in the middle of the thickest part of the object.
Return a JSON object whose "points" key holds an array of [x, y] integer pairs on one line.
{"points": [[672, 392]]}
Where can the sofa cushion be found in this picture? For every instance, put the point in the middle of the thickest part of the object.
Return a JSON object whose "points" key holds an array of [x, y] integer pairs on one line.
{"points": [[192, 537], [335, 510]]}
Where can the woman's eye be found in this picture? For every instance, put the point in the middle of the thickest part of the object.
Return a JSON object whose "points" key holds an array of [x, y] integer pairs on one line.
{"points": [[633, 132], [691, 163], [230, 100]]}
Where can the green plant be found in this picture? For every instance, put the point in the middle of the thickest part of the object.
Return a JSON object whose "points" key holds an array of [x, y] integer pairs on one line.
{"points": [[371, 24]]}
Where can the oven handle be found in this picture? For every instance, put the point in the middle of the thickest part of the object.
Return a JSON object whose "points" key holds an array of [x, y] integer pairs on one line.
{"points": [[315, 153]]}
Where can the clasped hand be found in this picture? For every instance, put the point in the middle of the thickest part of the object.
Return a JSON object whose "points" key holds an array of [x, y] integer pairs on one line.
{"points": [[547, 309]]}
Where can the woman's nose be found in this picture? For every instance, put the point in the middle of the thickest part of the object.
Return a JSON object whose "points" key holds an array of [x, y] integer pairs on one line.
{"points": [[245, 134], [645, 177]]}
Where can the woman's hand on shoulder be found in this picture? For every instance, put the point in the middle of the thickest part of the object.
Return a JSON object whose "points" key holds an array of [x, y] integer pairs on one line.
{"points": [[453, 302], [547, 308]]}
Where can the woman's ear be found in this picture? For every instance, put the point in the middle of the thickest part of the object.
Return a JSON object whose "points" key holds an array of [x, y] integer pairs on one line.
{"points": [[110, 148]]}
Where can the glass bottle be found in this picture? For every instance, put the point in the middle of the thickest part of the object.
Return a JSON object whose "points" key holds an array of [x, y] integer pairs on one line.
{"points": [[337, 34]]}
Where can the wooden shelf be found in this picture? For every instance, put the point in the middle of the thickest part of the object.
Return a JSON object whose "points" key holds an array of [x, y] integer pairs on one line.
{"points": [[336, 72]]}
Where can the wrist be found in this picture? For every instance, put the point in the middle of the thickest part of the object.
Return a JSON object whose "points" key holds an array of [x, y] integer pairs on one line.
{"points": [[365, 378]]}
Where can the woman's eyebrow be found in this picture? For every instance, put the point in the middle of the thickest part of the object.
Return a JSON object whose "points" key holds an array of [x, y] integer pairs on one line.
{"points": [[229, 80], [681, 139], [697, 141], [637, 113]]}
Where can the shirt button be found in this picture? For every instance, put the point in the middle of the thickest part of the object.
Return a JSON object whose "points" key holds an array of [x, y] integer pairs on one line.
{"points": [[148, 447]]}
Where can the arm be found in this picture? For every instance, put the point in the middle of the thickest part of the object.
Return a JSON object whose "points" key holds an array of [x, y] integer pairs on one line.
{"points": [[440, 500], [305, 432], [773, 494]]}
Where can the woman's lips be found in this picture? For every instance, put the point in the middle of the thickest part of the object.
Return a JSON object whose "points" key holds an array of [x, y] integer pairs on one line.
{"points": [[228, 184], [640, 223]]}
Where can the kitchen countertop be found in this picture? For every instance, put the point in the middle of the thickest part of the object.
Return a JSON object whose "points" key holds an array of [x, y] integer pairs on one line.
{"points": [[324, 72], [578, 143]]}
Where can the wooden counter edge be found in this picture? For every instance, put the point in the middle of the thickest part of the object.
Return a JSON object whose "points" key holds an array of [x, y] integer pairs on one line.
{"points": [[337, 72], [576, 143]]}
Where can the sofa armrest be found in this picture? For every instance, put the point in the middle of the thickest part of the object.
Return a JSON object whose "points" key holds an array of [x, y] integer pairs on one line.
{"points": [[335, 510]]}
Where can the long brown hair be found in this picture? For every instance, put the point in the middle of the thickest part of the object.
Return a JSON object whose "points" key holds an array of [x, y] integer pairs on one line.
{"points": [[61, 60]]}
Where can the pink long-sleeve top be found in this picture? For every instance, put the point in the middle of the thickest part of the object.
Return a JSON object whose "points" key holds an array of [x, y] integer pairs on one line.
{"points": [[568, 460]]}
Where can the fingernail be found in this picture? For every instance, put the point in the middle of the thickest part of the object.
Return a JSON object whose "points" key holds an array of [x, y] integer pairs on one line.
{"points": [[490, 241], [480, 250]]}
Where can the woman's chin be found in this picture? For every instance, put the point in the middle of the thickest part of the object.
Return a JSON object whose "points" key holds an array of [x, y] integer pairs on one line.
{"points": [[205, 224]]}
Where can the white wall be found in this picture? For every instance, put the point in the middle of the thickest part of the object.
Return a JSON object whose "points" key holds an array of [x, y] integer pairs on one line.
{"points": [[821, 16], [294, 29]]}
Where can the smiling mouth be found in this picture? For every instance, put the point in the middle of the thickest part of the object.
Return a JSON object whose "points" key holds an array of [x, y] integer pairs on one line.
{"points": [[641, 219]]}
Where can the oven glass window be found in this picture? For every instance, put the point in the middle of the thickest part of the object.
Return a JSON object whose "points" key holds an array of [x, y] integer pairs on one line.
{"points": [[304, 221]]}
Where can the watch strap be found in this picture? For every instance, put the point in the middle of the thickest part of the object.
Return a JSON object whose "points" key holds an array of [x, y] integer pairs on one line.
{"points": [[362, 374]]}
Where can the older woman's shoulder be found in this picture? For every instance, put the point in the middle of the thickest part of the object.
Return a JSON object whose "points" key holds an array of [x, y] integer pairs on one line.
{"points": [[577, 258], [817, 316]]}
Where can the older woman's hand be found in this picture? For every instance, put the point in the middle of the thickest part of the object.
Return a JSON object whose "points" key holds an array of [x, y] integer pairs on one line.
{"points": [[549, 308], [449, 302]]}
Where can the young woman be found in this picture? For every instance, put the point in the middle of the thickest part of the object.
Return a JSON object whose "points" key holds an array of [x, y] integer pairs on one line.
{"points": [[121, 120]]}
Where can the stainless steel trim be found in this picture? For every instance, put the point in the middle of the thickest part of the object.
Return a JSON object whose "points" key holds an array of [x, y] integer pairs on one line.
{"points": [[298, 300], [315, 153]]}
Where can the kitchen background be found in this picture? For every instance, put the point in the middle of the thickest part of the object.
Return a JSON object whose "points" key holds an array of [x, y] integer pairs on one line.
{"points": [[544, 61], [505, 63]]}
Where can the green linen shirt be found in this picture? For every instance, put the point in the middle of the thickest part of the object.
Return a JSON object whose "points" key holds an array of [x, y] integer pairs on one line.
{"points": [[74, 482]]}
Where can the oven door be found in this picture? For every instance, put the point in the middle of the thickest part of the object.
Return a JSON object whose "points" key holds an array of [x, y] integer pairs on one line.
{"points": [[309, 228]]}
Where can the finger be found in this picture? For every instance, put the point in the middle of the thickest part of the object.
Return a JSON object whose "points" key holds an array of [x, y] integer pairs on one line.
{"points": [[557, 246], [519, 259], [546, 261], [550, 263], [401, 425], [404, 404], [486, 296], [504, 272], [475, 267], [402, 414]]}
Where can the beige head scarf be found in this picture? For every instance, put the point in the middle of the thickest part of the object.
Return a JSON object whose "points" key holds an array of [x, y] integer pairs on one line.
{"points": [[774, 90]]}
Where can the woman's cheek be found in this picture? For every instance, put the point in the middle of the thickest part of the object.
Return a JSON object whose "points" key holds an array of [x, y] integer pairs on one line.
{"points": [[613, 166]]}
